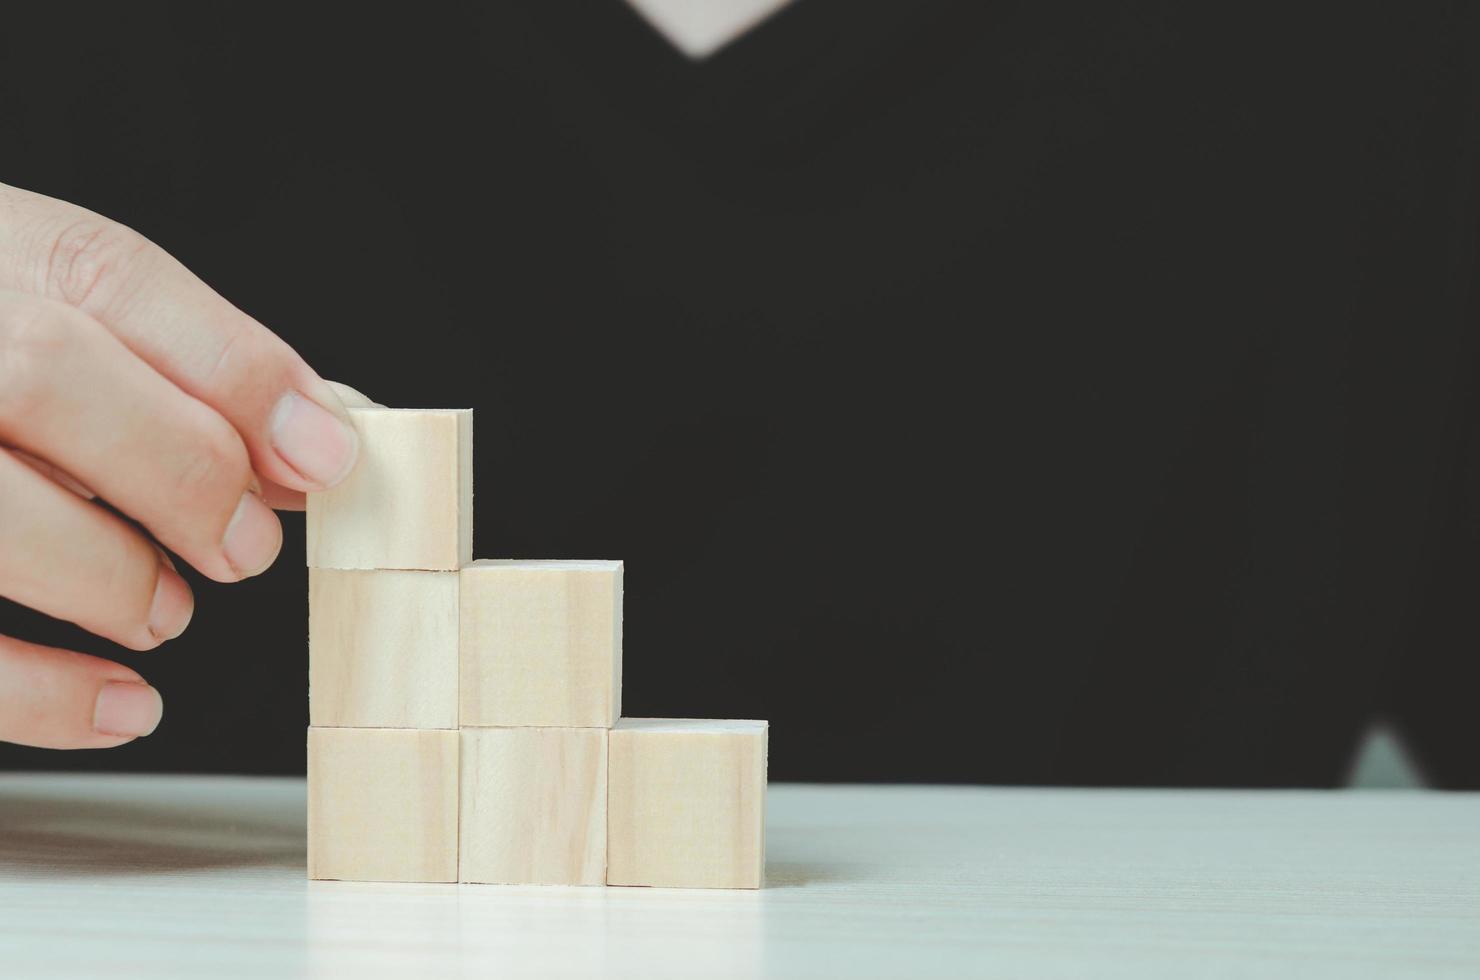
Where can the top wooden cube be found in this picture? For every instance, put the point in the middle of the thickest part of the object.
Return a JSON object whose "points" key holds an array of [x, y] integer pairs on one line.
{"points": [[408, 503]]}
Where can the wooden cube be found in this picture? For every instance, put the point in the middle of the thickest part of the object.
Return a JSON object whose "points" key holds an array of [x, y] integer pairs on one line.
{"points": [[541, 644], [686, 803], [409, 501], [533, 806], [382, 804], [382, 648]]}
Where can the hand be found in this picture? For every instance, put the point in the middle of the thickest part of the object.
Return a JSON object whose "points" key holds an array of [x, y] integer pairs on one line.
{"points": [[124, 376]]}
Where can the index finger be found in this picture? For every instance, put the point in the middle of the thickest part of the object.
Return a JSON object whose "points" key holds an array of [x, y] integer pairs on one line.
{"points": [[294, 427]]}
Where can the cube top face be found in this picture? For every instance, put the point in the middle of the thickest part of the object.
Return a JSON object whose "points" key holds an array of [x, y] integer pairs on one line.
{"points": [[549, 564], [409, 502], [692, 726], [686, 802], [382, 648], [533, 808], [541, 644], [382, 804]]}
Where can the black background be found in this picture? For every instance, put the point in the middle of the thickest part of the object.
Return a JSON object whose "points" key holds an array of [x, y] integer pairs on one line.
{"points": [[1009, 392]]}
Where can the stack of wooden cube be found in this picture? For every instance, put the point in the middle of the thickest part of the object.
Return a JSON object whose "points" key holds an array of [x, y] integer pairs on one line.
{"points": [[465, 716]]}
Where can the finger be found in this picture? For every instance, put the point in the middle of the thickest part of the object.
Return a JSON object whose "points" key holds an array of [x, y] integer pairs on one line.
{"points": [[293, 426], [58, 699], [69, 558], [281, 498], [71, 393], [54, 473]]}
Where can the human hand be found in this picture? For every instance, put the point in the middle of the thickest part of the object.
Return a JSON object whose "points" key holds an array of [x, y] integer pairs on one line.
{"points": [[123, 376]]}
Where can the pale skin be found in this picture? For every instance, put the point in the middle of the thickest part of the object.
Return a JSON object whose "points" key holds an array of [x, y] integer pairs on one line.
{"points": [[124, 378]]}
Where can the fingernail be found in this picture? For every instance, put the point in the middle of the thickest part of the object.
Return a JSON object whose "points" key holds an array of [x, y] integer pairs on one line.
{"points": [[173, 604], [253, 537], [127, 708], [313, 440]]}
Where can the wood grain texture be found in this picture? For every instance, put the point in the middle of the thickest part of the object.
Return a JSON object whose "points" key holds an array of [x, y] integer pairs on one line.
{"points": [[533, 804], [171, 877], [541, 644], [382, 804], [686, 803], [382, 648], [409, 501]]}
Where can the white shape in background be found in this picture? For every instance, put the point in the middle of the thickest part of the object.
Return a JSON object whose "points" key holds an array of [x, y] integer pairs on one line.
{"points": [[699, 28], [1382, 761]]}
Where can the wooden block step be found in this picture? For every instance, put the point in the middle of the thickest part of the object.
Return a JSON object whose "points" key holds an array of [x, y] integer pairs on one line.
{"points": [[686, 803], [382, 804], [409, 501], [541, 644], [533, 806], [382, 648]]}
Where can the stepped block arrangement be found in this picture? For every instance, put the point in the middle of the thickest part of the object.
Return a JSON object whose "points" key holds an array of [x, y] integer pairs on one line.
{"points": [[465, 716]]}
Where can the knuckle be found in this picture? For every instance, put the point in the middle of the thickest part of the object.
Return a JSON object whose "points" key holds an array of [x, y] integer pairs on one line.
{"points": [[93, 262], [125, 576], [230, 364], [33, 344], [215, 471], [236, 366]]}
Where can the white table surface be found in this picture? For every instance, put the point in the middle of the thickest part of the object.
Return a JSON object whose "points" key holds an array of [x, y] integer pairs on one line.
{"points": [[160, 876]]}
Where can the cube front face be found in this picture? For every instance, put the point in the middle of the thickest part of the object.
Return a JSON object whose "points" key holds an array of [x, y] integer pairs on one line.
{"points": [[541, 644], [533, 806], [686, 803], [382, 648], [382, 804], [409, 502]]}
